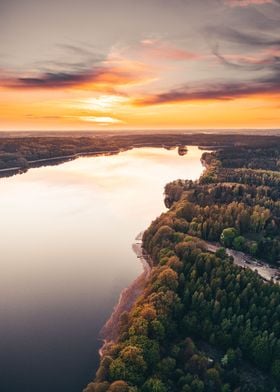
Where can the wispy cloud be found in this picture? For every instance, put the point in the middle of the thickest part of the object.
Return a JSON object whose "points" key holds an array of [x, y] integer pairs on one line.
{"points": [[34, 117], [49, 79], [260, 60], [246, 3], [81, 67], [267, 82], [210, 91], [255, 38], [165, 50], [110, 75]]}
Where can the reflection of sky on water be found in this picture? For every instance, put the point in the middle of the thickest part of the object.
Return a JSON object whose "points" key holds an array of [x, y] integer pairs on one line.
{"points": [[65, 238]]}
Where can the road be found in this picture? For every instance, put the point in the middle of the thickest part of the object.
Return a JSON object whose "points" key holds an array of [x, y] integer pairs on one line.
{"points": [[244, 261]]}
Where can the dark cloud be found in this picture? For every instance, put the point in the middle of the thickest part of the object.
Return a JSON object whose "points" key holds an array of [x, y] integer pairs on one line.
{"points": [[257, 52], [106, 75], [220, 91], [250, 39], [266, 60], [50, 80], [86, 54], [261, 61], [76, 65], [241, 65], [227, 91], [79, 50]]}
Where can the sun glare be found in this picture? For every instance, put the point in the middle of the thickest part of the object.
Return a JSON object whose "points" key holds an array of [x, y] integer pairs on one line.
{"points": [[101, 120], [103, 103]]}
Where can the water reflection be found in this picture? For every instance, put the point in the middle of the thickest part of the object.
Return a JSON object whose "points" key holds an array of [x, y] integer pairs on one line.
{"points": [[65, 236]]}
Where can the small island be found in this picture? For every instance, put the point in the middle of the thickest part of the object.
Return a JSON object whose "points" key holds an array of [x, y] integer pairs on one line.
{"points": [[182, 150]]}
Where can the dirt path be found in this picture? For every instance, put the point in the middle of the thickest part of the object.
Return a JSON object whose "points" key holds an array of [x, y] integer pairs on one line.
{"points": [[244, 261]]}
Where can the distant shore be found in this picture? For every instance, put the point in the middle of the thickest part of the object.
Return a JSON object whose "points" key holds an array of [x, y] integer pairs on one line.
{"points": [[65, 158], [19, 153]]}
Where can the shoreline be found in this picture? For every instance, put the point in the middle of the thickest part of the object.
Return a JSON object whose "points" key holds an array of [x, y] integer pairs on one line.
{"points": [[109, 332], [59, 158], [64, 158]]}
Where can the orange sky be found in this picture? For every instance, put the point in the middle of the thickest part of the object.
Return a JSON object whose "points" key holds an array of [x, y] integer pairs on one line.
{"points": [[172, 77], [80, 108]]}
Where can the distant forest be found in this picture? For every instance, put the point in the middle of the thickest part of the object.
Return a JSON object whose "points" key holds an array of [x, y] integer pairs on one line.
{"points": [[202, 323], [23, 152]]}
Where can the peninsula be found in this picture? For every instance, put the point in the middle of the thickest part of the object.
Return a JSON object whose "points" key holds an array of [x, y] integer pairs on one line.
{"points": [[203, 322]]}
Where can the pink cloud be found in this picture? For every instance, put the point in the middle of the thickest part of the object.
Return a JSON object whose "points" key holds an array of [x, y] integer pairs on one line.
{"points": [[165, 50], [246, 3], [266, 56]]}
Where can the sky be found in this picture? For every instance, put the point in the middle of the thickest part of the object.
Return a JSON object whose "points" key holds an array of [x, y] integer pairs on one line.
{"points": [[130, 64]]}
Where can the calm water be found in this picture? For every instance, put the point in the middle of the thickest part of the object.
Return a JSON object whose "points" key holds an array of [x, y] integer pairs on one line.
{"points": [[65, 238]]}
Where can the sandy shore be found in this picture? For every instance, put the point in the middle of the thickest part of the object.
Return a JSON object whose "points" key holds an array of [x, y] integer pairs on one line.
{"points": [[109, 332]]}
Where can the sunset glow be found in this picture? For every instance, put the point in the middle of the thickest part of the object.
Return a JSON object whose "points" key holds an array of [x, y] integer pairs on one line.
{"points": [[190, 73]]}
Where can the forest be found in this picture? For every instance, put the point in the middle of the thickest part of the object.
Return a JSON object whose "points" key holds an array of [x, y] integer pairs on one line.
{"points": [[21, 152], [202, 323], [235, 202]]}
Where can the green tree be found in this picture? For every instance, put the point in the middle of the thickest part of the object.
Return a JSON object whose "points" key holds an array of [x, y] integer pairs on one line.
{"points": [[154, 385], [228, 235], [239, 242], [275, 370]]}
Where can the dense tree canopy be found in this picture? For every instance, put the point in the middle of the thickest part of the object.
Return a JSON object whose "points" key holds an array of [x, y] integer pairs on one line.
{"points": [[202, 323]]}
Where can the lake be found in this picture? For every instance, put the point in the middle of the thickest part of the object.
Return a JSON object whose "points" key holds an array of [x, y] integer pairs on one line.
{"points": [[66, 238]]}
